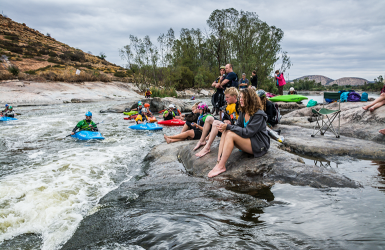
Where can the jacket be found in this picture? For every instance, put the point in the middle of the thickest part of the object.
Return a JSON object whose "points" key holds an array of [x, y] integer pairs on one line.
{"points": [[255, 130], [281, 80]]}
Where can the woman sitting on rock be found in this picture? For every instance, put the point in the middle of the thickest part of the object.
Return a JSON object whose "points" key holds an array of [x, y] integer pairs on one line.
{"points": [[194, 130], [377, 103], [268, 108], [249, 135]]}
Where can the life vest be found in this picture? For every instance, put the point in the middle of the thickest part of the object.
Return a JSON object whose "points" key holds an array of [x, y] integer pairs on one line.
{"points": [[84, 125], [231, 113]]}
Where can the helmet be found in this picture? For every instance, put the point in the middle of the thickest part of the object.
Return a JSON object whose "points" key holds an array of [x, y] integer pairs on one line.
{"points": [[10, 107], [202, 106], [146, 105], [261, 93], [291, 89], [144, 110], [89, 113], [148, 88], [140, 104], [171, 106], [6, 105]]}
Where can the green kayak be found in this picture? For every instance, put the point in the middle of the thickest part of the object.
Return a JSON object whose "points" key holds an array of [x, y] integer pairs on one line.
{"points": [[288, 98], [131, 113]]}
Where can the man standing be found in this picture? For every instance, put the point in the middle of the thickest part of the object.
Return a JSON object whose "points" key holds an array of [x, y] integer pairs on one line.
{"points": [[231, 79], [254, 79], [218, 97], [243, 82]]}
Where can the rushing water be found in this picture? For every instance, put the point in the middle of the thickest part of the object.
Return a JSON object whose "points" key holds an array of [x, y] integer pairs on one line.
{"points": [[49, 183]]}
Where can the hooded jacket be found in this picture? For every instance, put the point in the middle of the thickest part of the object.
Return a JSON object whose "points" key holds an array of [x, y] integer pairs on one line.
{"points": [[281, 80], [255, 130]]}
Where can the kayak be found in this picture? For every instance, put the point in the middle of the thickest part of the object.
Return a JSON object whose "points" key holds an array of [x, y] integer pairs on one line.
{"points": [[5, 119], [88, 135], [146, 126], [130, 117], [152, 119], [173, 122], [288, 98], [134, 112]]}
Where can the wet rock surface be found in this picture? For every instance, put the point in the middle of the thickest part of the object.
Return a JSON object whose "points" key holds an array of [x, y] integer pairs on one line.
{"points": [[355, 122]]}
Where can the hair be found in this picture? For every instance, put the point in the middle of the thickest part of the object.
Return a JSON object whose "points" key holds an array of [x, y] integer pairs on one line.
{"points": [[195, 105], [230, 66], [254, 71], [232, 91], [277, 71], [252, 102], [263, 102], [243, 74]]}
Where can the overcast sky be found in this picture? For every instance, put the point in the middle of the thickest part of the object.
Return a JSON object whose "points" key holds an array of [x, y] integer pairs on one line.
{"points": [[331, 38]]}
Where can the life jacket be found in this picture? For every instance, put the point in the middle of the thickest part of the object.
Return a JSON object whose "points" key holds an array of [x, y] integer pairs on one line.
{"points": [[168, 115], [148, 93], [231, 114], [141, 118], [85, 125], [202, 119]]}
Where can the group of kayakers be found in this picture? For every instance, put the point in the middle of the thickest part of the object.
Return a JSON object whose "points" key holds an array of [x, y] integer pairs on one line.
{"points": [[8, 111]]}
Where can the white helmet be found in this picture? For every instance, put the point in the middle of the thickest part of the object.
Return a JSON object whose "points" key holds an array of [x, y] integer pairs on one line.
{"points": [[171, 106], [291, 89], [144, 110]]}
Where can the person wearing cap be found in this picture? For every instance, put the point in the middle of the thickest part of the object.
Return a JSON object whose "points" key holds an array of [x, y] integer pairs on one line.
{"points": [[243, 82], [86, 124], [9, 112], [169, 114], [218, 98], [141, 118], [292, 91], [148, 93]]}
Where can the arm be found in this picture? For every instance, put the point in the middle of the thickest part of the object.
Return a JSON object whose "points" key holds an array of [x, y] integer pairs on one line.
{"points": [[256, 124]]}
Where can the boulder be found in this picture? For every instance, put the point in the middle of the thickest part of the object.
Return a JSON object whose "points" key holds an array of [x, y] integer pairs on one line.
{"points": [[204, 92]]}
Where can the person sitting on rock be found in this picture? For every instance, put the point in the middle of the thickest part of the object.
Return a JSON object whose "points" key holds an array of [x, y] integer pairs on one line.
{"points": [[249, 135], [230, 117], [192, 117], [9, 112], [268, 108], [377, 103], [148, 93], [86, 124], [292, 91], [142, 118], [5, 110], [139, 108], [194, 131]]}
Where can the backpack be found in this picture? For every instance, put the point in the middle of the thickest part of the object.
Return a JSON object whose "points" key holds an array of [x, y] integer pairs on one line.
{"points": [[235, 82], [277, 117], [364, 97], [354, 97], [344, 96]]}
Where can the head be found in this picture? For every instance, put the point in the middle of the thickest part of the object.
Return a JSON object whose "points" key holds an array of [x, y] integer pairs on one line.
{"points": [[140, 105], [171, 107], [243, 75], [249, 101], [148, 89], [144, 111], [231, 95], [88, 116], [222, 70], [254, 72], [203, 108], [262, 96], [277, 71], [146, 105], [291, 89], [229, 68], [10, 108]]}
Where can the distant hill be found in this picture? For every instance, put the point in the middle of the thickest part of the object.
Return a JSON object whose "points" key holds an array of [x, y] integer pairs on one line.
{"points": [[33, 52], [318, 78], [353, 81]]}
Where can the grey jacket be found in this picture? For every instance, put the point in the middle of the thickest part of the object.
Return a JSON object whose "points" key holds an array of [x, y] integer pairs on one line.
{"points": [[255, 130]]}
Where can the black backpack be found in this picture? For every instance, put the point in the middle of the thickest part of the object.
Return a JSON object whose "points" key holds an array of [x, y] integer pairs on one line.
{"points": [[277, 115]]}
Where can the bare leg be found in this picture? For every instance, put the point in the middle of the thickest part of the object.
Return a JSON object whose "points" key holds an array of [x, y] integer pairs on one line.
{"points": [[377, 105], [213, 134], [382, 131], [221, 143], [379, 99], [206, 128], [189, 134], [231, 139], [185, 128]]}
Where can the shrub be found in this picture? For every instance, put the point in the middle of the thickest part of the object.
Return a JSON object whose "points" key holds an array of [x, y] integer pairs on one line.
{"points": [[54, 60], [6, 76], [120, 74], [14, 70], [165, 92], [52, 54], [44, 51], [17, 50]]}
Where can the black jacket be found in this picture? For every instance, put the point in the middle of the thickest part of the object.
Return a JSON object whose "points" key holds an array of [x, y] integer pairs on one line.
{"points": [[254, 81]]}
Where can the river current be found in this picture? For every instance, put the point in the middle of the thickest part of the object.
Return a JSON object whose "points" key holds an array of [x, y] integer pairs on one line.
{"points": [[49, 183]]}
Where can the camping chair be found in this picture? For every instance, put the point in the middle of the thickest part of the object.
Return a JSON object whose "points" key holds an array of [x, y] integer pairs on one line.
{"points": [[325, 117]]}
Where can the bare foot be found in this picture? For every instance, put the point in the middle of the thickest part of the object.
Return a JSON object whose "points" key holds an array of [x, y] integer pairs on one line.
{"points": [[365, 108], [216, 171], [371, 109], [168, 140], [382, 131], [199, 144], [203, 152]]}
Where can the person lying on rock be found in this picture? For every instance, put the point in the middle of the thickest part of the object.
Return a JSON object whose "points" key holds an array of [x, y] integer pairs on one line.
{"points": [[377, 103], [86, 124], [230, 117], [142, 118], [194, 131], [249, 135]]}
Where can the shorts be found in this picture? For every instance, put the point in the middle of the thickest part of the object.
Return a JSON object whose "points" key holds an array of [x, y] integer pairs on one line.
{"points": [[197, 134]]}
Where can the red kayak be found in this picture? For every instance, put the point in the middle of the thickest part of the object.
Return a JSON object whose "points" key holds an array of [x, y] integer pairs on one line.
{"points": [[130, 117], [173, 122]]}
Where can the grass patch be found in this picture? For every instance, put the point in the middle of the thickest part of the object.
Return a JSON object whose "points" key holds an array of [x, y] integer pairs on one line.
{"points": [[164, 92]]}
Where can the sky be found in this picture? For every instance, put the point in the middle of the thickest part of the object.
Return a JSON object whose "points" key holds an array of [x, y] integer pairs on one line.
{"points": [[326, 37]]}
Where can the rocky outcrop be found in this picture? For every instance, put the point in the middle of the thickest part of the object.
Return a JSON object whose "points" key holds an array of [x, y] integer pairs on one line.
{"points": [[276, 166], [355, 122], [352, 81], [317, 78], [188, 93]]}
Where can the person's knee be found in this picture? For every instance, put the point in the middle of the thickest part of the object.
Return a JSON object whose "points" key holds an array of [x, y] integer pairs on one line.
{"points": [[209, 120]]}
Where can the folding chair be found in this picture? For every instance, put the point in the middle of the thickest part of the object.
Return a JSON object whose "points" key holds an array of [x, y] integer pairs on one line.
{"points": [[325, 117]]}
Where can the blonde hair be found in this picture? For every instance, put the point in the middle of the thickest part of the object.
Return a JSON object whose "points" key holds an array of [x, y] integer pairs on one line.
{"points": [[232, 91], [195, 105]]}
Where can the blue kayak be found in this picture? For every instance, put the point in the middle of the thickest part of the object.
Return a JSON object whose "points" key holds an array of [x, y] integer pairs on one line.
{"points": [[88, 135], [146, 126], [4, 119]]}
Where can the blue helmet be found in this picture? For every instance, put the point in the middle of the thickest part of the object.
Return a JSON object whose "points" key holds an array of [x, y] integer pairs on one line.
{"points": [[88, 113], [6, 105]]}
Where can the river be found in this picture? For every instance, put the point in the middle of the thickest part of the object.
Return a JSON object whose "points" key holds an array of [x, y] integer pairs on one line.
{"points": [[50, 183]]}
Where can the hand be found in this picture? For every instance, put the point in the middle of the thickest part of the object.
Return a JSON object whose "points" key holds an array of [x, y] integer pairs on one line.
{"points": [[227, 122], [72, 133], [193, 124], [222, 127], [218, 85], [382, 94]]}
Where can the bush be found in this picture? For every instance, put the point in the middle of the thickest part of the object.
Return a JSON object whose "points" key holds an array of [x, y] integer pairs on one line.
{"points": [[54, 60], [6, 76], [120, 74], [165, 92], [17, 50], [52, 54], [14, 70]]}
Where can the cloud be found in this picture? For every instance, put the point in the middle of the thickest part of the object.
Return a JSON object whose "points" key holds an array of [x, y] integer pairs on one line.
{"points": [[331, 38]]}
